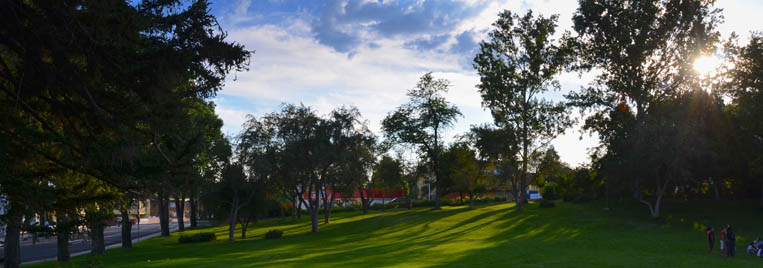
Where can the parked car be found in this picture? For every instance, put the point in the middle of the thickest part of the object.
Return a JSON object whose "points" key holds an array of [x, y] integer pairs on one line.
{"points": [[399, 199], [533, 195]]}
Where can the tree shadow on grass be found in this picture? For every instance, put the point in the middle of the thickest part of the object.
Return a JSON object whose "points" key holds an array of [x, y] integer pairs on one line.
{"points": [[399, 244], [586, 236]]}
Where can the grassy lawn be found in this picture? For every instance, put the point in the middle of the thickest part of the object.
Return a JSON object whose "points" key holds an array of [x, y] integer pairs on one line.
{"points": [[569, 235]]}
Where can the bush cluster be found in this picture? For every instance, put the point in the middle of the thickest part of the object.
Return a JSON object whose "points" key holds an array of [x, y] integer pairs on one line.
{"points": [[547, 203], [200, 237], [273, 234], [339, 209]]}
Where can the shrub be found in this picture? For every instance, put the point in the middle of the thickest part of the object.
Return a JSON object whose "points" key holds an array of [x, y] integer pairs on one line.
{"points": [[423, 203], [496, 199], [376, 206], [430, 203], [340, 209], [399, 204], [273, 234], [200, 237], [345, 209], [550, 191], [546, 203]]}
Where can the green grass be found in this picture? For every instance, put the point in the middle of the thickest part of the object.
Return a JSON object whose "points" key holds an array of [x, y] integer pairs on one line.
{"points": [[569, 235]]}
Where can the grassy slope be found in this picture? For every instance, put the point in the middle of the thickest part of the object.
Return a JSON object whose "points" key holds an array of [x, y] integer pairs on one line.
{"points": [[569, 235]]}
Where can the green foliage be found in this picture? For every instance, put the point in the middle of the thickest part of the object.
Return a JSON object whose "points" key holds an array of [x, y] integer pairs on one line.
{"points": [[198, 237], [581, 184], [273, 234], [421, 121], [280, 149], [517, 65], [350, 208], [399, 204], [547, 203], [423, 203], [550, 191], [644, 143], [462, 171], [388, 175], [115, 103]]}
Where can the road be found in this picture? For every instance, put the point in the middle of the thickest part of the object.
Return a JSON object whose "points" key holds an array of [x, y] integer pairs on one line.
{"points": [[45, 248]]}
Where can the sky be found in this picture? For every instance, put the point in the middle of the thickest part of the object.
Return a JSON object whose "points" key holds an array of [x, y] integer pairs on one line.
{"points": [[368, 53]]}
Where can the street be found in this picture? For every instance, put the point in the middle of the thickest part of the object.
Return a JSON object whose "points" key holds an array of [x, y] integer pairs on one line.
{"points": [[45, 248]]}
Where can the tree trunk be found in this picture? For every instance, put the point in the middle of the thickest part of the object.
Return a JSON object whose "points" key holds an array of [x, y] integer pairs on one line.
{"points": [[471, 200], [314, 217], [656, 211], [62, 253], [410, 203], [606, 189], [327, 209], [126, 226], [233, 217], [193, 211], [245, 224], [715, 189], [436, 162], [232, 224], [518, 198], [179, 211], [294, 211], [164, 214], [13, 237], [363, 202], [437, 191], [302, 203], [313, 206], [281, 211], [322, 195], [97, 239], [636, 189]]}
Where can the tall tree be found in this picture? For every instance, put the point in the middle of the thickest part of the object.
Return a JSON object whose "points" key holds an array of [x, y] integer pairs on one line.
{"points": [[388, 175], [498, 147], [422, 121], [517, 65], [745, 86], [641, 48], [88, 78], [240, 192], [346, 138]]}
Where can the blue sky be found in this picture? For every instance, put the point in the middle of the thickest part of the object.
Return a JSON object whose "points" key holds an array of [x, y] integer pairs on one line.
{"points": [[368, 53]]}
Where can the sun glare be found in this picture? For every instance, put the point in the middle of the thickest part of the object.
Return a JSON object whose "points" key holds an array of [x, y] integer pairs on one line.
{"points": [[707, 65]]}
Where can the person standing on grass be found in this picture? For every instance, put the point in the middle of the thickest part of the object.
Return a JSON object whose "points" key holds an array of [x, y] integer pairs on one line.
{"points": [[710, 239], [730, 241], [723, 241]]}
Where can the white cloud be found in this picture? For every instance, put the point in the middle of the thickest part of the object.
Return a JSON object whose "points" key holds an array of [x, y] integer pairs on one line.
{"points": [[232, 118], [290, 65]]}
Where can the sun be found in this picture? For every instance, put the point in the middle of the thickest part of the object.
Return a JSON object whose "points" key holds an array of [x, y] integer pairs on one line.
{"points": [[707, 66]]}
